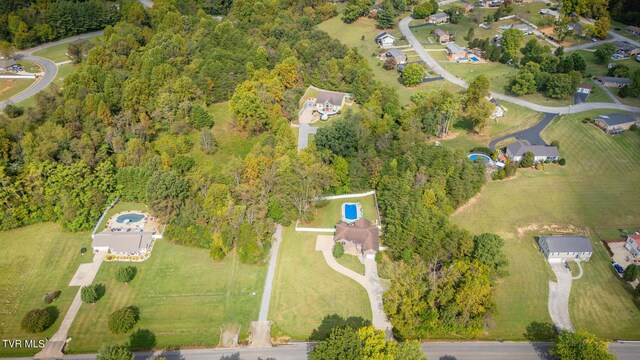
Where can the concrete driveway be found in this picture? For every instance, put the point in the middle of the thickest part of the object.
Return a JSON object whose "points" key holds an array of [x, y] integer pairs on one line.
{"points": [[303, 135], [559, 297]]}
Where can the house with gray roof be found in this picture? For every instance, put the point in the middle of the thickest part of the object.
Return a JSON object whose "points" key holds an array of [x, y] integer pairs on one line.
{"points": [[615, 123], [385, 39], [441, 35], [128, 243], [7, 64], [516, 151], [397, 55], [557, 248], [524, 28], [329, 103], [438, 18], [609, 81], [455, 52]]}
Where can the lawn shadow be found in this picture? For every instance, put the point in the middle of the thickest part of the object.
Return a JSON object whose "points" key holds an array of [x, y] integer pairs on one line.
{"points": [[101, 290], [447, 357], [540, 334], [142, 339], [53, 312], [333, 321]]}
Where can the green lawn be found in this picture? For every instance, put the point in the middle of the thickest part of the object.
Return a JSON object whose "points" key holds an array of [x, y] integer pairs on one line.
{"points": [[598, 95], [183, 296], [57, 53], [589, 194], [306, 289], [329, 213], [11, 87], [351, 262], [35, 260], [122, 206], [30, 67], [595, 69]]}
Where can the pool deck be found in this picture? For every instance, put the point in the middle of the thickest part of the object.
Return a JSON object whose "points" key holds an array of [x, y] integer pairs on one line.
{"points": [[147, 224], [350, 215]]}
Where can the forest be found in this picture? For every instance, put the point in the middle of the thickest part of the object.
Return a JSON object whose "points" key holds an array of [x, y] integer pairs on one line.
{"points": [[128, 117]]}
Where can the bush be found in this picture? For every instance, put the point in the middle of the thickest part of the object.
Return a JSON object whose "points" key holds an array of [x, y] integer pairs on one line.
{"points": [[37, 320], [527, 160], [556, 143], [539, 166], [482, 150], [378, 257], [631, 273], [123, 320], [633, 127], [114, 352], [338, 250], [126, 274], [92, 293], [562, 162], [13, 111], [52, 296]]}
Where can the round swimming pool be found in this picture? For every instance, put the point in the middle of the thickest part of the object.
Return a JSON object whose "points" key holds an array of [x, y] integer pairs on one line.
{"points": [[485, 159], [129, 218]]}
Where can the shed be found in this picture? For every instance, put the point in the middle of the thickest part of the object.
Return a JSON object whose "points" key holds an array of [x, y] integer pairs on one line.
{"points": [[557, 248]]}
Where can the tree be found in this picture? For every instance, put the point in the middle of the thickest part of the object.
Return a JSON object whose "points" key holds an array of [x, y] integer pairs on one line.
{"points": [[37, 320], [208, 143], [78, 50], [580, 345], [559, 51], [527, 160], [123, 320], [600, 27], [352, 12], [488, 249], [423, 10], [560, 86], [13, 111], [126, 274], [579, 62], [511, 41], [343, 343], [479, 113], [338, 250], [7, 50], [114, 352], [412, 75], [341, 137], [389, 63], [456, 13], [603, 52], [478, 89], [91, 293], [470, 34], [166, 192], [523, 83], [200, 118], [631, 273], [385, 19]]}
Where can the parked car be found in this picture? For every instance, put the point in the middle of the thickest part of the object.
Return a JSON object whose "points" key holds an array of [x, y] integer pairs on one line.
{"points": [[618, 268], [594, 39]]}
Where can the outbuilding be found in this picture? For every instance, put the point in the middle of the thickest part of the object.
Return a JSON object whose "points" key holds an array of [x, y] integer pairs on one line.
{"points": [[557, 248]]}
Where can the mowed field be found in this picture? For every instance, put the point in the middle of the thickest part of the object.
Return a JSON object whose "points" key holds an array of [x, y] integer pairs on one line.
{"points": [[183, 296], [11, 87], [35, 260], [590, 194], [306, 289]]}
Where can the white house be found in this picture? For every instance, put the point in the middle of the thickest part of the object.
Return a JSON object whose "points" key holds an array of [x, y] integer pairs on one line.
{"points": [[329, 103], [633, 244], [385, 39], [557, 248], [516, 151]]}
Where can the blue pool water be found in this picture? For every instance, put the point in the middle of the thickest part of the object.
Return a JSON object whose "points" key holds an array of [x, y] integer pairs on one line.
{"points": [[474, 59], [131, 217], [485, 159], [351, 212]]}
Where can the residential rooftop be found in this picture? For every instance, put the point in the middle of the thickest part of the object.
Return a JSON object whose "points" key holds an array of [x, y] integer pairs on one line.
{"points": [[567, 243]]}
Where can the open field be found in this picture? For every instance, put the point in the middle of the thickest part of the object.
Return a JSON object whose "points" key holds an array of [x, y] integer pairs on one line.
{"points": [[306, 289], [11, 87], [183, 296], [588, 194], [35, 260], [57, 53], [328, 213], [123, 206]]}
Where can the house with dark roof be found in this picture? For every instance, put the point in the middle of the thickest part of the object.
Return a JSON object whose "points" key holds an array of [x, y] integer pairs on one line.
{"points": [[491, 3], [615, 123], [329, 103], [557, 248], [516, 151], [360, 237], [524, 28], [8, 64], [385, 39], [455, 52], [609, 81], [633, 30], [575, 27], [625, 49], [438, 18], [441, 36], [633, 244], [398, 56], [466, 6]]}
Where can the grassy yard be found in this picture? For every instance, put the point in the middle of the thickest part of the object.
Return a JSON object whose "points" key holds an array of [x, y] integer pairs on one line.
{"points": [[11, 87], [57, 53], [598, 95], [329, 213], [35, 260], [306, 289], [588, 194], [183, 296], [351, 262], [122, 206], [595, 69]]}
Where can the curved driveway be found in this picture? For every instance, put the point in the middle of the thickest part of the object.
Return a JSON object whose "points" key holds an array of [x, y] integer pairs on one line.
{"points": [[424, 55]]}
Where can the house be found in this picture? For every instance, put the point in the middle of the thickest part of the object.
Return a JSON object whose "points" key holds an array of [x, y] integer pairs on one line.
{"points": [[441, 35], [522, 1], [633, 30], [499, 110], [385, 39], [491, 3], [633, 244], [438, 18], [557, 248], [329, 103], [609, 81], [524, 28], [8, 65], [358, 238], [455, 52], [516, 151], [584, 88], [615, 123], [397, 55], [127, 243], [575, 27], [549, 12], [466, 6], [626, 49]]}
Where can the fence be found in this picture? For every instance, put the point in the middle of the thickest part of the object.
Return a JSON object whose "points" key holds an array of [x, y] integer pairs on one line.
{"points": [[347, 196], [18, 76], [95, 229]]}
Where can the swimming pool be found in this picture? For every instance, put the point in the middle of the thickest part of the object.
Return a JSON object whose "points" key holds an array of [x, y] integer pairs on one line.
{"points": [[474, 59], [351, 212], [129, 218], [617, 56], [485, 159]]}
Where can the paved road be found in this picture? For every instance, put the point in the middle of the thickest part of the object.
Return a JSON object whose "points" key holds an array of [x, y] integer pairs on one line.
{"points": [[424, 55], [50, 68], [559, 297], [532, 134], [268, 284]]}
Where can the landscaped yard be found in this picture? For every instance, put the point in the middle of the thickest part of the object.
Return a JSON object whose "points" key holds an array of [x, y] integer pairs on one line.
{"points": [[588, 194], [11, 87], [35, 260], [597, 94], [595, 69], [183, 296], [328, 213], [122, 206], [306, 289]]}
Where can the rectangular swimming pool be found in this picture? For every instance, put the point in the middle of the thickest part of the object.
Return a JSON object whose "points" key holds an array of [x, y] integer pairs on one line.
{"points": [[351, 212]]}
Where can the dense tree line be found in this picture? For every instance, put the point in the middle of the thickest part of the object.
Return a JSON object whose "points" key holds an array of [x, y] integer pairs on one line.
{"points": [[625, 11]]}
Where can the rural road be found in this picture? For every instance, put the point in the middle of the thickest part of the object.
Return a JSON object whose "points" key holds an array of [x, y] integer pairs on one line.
{"points": [[50, 68], [424, 55]]}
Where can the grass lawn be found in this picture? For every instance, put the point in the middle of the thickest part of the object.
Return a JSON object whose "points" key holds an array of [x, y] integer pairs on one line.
{"points": [[183, 296], [351, 262], [35, 260], [30, 67], [598, 95], [306, 289], [123, 206], [11, 87], [57, 53], [589, 194], [328, 213], [595, 69]]}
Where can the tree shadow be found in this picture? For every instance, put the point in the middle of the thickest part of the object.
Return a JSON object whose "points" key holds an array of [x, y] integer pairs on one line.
{"points": [[53, 312], [142, 339], [540, 334], [447, 357], [101, 290], [136, 311], [235, 356], [171, 353], [134, 272], [333, 321]]}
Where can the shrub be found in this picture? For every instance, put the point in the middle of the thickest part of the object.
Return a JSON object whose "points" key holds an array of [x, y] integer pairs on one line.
{"points": [[92, 293], [539, 166], [338, 250], [527, 160], [562, 162], [126, 274], [13, 111], [52, 296], [633, 127], [378, 257], [482, 150], [123, 320], [631, 273], [37, 320], [114, 352]]}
